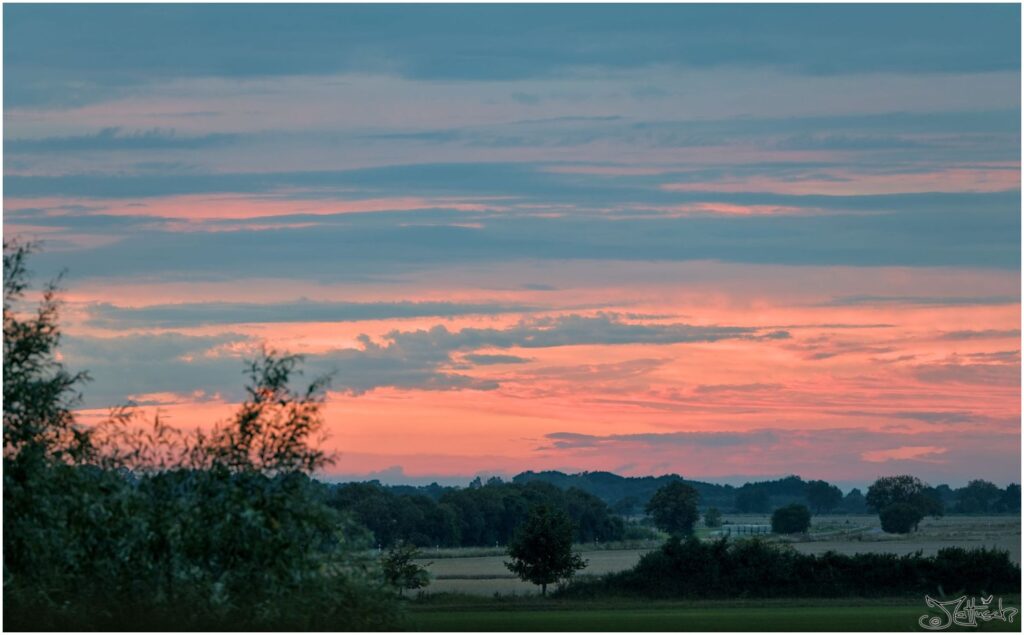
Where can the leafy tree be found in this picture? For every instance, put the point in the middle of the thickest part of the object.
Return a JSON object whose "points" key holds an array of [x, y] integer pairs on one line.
{"points": [[791, 519], [1009, 500], [274, 430], [904, 490], [712, 517], [854, 502], [978, 497], [674, 508], [822, 496], [39, 392], [400, 571], [900, 518], [893, 489], [626, 506], [127, 527], [752, 499], [541, 551]]}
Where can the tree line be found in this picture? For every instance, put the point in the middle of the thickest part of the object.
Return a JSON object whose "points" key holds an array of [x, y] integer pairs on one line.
{"points": [[485, 514], [628, 495]]}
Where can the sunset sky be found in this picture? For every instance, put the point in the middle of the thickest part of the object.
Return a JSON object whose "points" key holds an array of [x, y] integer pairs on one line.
{"points": [[728, 242]]}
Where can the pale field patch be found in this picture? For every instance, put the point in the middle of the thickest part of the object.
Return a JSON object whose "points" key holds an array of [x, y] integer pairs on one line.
{"points": [[487, 575]]}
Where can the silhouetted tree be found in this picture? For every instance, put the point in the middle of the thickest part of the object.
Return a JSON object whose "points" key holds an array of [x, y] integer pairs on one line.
{"points": [[541, 550], [1009, 500], [791, 519], [978, 497], [904, 490], [900, 518], [752, 499], [854, 502], [712, 517], [674, 508], [822, 496], [401, 571]]}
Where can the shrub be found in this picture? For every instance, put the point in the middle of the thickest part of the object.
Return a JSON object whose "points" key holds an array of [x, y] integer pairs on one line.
{"points": [[712, 518], [128, 529], [900, 518], [791, 519], [755, 568]]}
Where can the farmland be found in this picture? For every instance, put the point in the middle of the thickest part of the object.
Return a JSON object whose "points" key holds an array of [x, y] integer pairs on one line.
{"points": [[482, 571]]}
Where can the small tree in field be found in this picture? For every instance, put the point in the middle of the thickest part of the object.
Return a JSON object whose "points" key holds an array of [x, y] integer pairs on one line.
{"points": [[791, 519], [712, 518], [400, 571], [541, 550], [903, 490], [674, 508], [900, 518]]}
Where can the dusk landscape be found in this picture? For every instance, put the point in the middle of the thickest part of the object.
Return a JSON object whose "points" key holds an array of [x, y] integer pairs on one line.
{"points": [[710, 245]]}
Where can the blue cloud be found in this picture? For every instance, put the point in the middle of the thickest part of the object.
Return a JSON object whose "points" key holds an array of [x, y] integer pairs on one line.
{"points": [[62, 54]]}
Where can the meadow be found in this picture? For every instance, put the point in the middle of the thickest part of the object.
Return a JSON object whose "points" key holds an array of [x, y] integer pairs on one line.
{"points": [[462, 613], [482, 571]]}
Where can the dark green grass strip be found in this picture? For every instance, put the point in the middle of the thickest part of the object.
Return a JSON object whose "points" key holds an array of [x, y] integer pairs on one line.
{"points": [[717, 617]]}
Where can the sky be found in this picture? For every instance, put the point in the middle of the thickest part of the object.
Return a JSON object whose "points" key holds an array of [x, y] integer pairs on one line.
{"points": [[724, 241]]}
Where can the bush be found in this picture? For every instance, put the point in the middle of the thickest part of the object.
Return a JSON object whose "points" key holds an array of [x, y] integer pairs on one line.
{"points": [[900, 518], [118, 528], [791, 519], [758, 569], [712, 518]]}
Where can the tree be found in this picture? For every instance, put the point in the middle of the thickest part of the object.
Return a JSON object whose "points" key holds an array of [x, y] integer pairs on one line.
{"points": [[752, 499], [1009, 501], [791, 519], [712, 517], [674, 508], [978, 497], [400, 571], [141, 535], [541, 550], [893, 489], [900, 518], [39, 392], [903, 490], [822, 496], [854, 502], [276, 428]]}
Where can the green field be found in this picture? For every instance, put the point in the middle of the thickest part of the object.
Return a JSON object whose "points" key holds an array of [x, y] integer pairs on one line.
{"points": [[781, 615]]}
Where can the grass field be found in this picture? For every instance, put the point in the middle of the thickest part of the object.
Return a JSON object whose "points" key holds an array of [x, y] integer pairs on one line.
{"points": [[782, 615], [482, 571]]}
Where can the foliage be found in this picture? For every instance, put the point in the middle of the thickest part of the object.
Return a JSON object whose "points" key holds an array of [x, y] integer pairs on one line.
{"points": [[893, 489], [121, 527], [978, 497], [891, 495], [712, 518], [752, 499], [484, 515], [274, 429], [674, 508], [754, 568], [854, 503], [399, 569], [791, 519], [900, 518], [39, 392], [822, 496], [541, 550]]}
